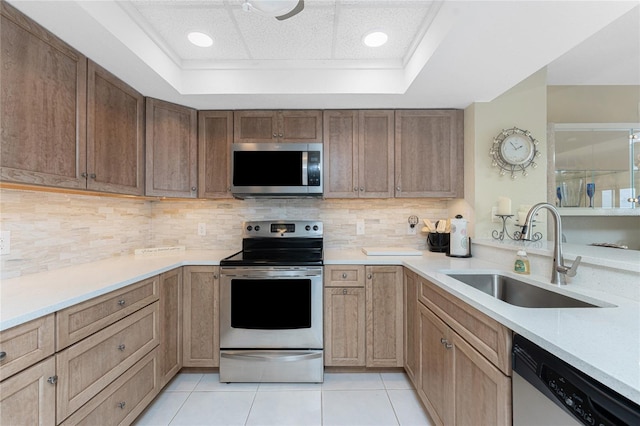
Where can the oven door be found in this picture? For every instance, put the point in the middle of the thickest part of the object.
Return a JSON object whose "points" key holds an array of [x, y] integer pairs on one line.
{"points": [[275, 307]]}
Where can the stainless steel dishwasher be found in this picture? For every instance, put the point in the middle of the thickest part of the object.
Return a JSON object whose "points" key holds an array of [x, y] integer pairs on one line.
{"points": [[548, 391]]}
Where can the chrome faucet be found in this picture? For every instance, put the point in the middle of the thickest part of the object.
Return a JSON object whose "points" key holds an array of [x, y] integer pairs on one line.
{"points": [[559, 269]]}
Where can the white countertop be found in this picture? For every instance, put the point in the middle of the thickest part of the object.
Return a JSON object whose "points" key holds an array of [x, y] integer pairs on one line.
{"points": [[602, 342]]}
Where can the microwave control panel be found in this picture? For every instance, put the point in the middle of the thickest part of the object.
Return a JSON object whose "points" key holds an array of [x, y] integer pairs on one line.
{"points": [[313, 168]]}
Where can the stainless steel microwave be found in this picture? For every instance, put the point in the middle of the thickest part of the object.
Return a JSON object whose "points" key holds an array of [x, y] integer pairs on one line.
{"points": [[276, 169]]}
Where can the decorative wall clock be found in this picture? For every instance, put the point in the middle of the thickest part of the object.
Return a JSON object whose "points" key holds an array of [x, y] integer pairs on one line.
{"points": [[513, 151]]}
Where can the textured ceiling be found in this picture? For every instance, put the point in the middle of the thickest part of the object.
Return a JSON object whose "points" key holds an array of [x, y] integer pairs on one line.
{"points": [[440, 54]]}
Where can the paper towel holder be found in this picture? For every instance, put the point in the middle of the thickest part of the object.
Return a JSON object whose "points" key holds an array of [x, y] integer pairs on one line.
{"points": [[448, 253]]}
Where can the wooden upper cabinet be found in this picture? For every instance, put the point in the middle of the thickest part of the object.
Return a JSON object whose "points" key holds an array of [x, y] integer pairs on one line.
{"points": [[340, 154], [295, 126], [171, 150], [358, 152], [43, 96], [115, 134], [429, 153], [215, 137], [375, 158]]}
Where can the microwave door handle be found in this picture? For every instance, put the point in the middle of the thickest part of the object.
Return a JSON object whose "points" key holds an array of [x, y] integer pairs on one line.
{"points": [[305, 166]]}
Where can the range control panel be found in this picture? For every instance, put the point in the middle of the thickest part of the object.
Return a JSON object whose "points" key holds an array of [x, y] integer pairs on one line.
{"points": [[282, 229]]}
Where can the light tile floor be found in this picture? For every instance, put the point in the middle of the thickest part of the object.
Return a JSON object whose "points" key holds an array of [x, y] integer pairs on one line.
{"points": [[344, 399]]}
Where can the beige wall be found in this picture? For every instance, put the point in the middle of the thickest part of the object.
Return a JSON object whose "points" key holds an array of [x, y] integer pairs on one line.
{"points": [[593, 104], [524, 106]]}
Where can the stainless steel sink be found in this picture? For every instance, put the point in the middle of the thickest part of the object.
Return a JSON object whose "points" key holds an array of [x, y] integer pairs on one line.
{"points": [[519, 293]]}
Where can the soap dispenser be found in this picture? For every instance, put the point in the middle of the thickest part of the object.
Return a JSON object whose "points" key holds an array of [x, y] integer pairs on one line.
{"points": [[521, 265]]}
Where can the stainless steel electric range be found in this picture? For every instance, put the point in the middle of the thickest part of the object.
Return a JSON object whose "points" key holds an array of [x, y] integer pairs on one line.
{"points": [[271, 326]]}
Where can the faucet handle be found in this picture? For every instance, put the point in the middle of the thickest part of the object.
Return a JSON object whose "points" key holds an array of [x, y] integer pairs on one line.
{"points": [[570, 272]]}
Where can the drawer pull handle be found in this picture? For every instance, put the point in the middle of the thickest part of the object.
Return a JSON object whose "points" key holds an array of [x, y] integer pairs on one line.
{"points": [[344, 275], [121, 347], [3, 356], [121, 405], [446, 343], [369, 276], [344, 291], [121, 302], [53, 380]]}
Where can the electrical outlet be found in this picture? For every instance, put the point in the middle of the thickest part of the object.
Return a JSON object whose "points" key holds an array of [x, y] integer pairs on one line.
{"points": [[5, 242], [360, 227], [202, 229], [412, 230]]}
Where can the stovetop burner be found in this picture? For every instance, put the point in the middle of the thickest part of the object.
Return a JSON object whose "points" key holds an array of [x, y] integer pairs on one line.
{"points": [[279, 243]]}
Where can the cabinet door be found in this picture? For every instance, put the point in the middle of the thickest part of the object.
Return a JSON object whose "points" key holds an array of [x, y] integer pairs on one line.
{"points": [[115, 134], [375, 153], [43, 96], [435, 384], [429, 153], [170, 325], [201, 316], [255, 126], [341, 154], [300, 126], [171, 150], [28, 398], [481, 390], [411, 336], [215, 137], [24, 345], [344, 326], [384, 316]]}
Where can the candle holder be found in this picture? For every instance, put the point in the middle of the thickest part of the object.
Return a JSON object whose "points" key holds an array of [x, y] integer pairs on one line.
{"points": [[499, 234]]}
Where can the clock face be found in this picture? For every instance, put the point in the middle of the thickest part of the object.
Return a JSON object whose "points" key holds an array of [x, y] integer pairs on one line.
{"points": [[516, 149]]}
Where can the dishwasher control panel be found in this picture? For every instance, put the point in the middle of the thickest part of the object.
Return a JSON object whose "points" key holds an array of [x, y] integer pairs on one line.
{"points": [[572, 398]]}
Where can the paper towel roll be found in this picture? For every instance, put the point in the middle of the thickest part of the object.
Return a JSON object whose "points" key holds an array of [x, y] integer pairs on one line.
{"points": [[459, 239]]}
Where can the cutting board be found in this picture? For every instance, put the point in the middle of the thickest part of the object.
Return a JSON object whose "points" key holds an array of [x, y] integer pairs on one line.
{"points": [[390, 251]]}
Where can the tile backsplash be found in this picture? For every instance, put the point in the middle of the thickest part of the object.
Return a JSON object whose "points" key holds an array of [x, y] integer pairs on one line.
{"points": [[52, 230]]}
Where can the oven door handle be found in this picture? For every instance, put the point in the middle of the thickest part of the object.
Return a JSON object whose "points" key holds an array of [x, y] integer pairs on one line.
{"points": [[271, 356]]}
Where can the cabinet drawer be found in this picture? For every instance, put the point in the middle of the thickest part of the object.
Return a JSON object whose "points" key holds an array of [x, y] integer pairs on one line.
{"points": [[27, 398], [344, 276], [486, 335], [81, 320], [124, 399], [87, 367], [26, 344]]}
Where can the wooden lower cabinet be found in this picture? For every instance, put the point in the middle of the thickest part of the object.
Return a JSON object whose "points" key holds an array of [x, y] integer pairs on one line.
{"points": [[124, 399], [457, 385], [411, 326], [344, 326], [201, 340], [170, 324], [29, 397], [384, 316], [24, 345], [87, 367]]}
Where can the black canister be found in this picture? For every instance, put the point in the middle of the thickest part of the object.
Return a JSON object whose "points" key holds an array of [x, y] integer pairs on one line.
{"points": [[438, 242]]}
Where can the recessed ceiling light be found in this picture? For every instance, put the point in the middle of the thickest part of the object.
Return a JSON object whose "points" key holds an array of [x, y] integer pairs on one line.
{"points": [[200, 39], [375, 39]]}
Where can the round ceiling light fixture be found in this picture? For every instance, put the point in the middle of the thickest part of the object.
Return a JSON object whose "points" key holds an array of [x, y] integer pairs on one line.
{"points": [[200, 39], [375, 38]]}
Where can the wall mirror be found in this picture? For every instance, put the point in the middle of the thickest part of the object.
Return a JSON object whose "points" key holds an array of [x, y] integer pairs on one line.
{"points": [[596, 165]]}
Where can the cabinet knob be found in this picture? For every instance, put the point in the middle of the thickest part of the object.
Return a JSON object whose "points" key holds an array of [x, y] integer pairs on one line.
{"points": [[121, 302], [398, 188], [280, 135], [84, 174], [193, 188], [446, 343], [92, 175], [369, 276], [362, 188], [355, 188], [344, 291], [121, 405], [344, 275], [3, 356], [275, 135], [121, 347], [53, 380], [215, 276]]}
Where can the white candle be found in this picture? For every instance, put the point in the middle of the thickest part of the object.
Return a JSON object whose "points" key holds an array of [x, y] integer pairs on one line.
{"points": [[504, 205], [522, 216]]}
